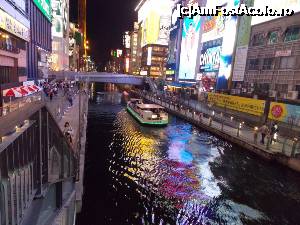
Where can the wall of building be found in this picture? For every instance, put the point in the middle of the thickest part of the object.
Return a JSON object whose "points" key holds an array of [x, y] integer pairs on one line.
{"points": [[40, 42], [272, 76]]}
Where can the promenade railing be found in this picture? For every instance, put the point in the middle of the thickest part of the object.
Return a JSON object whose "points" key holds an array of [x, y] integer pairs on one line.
{"points": [[229, 124]]}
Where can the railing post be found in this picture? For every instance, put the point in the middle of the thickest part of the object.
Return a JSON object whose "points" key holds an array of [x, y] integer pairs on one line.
{"points": [[295, 142], [239, 129], [222, 118]]}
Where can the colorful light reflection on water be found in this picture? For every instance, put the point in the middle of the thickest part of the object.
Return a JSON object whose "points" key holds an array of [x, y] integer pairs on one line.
{"points": [[177, 175]]}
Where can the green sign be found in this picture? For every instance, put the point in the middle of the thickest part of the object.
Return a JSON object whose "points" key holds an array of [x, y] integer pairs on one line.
{"points": [[244, 30], [45, 7]]}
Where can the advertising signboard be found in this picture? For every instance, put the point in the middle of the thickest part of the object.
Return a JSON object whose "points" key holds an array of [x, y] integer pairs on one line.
{"points": [[13, 26], [240, 64], [285, 113], [60, 18], [247, 105], [173, 39], [217, 27], [242, 43], [164, 30], [45, 7], [155, 19], [189, 48], [210, 56]]}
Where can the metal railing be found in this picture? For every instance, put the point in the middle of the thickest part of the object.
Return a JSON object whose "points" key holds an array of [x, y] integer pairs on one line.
{"points": [[17, 104]]}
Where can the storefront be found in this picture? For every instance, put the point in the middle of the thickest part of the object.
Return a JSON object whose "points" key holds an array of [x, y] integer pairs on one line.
{"points": [[16, 97], [14, 36]]}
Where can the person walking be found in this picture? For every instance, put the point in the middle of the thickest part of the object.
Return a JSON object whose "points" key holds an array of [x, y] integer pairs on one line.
{"points": [[51, 95], [264, 130], [68, 131], [274, 131]]}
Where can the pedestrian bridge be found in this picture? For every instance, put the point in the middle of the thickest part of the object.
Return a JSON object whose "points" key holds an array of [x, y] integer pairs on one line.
{"points": [[101, 77]]}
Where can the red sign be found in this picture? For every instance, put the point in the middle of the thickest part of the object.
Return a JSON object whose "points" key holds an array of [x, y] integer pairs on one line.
{"points": [[277, 111]]}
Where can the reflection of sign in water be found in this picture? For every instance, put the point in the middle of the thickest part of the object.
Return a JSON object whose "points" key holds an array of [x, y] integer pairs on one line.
{"points": [[246, 105], [210, 59]]}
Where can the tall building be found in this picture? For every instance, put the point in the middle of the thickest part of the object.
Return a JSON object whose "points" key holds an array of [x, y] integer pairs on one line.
{"points": [[82, 27], [39, 48], [244, 80], [60, 35], [126, 45], [135, 51], [154, 18], [75, 40], [14, 37]]}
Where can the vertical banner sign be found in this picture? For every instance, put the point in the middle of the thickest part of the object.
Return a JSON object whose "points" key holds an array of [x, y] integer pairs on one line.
{"points": [[242, 43]]}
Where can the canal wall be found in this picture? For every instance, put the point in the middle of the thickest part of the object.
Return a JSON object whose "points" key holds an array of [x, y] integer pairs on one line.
{"points": [[214, 127], [82, 147]]}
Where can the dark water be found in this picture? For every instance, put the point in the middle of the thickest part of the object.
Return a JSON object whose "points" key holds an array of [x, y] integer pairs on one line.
{"points": [[177, 175]]}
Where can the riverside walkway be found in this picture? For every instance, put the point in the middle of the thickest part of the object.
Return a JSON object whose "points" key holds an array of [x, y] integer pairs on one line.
{"points": [[284, 150], [63, 112]]}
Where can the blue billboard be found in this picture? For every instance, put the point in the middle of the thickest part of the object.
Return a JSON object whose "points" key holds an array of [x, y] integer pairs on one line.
{"points": [[189, 48]]}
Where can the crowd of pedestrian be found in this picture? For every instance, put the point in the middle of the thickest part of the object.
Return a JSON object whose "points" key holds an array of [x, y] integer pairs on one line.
{"points": [[51, 89]]}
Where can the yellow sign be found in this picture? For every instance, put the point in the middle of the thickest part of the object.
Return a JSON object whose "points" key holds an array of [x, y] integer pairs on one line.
{"points": [[13, 26], [151, 28], [241, 104]]}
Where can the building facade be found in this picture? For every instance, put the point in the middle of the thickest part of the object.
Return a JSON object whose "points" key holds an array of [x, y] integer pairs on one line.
{"points": [[14, 37], [154, 59], [39, 47], [273, 62], [60, 35], [154, 18], [75, 40]]}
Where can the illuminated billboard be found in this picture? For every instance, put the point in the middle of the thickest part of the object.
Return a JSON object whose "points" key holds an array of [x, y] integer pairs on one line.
{"points": [[275, 4], [173, 39], [189, 48], [219, 28], [210, 57], [155, 19], [60, 18]]}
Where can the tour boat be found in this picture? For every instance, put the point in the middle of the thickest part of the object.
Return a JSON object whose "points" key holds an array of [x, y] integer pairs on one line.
{"points": [[147, 114]]}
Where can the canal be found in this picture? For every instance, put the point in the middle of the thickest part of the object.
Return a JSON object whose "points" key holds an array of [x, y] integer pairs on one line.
{"points": [[177, 175]]}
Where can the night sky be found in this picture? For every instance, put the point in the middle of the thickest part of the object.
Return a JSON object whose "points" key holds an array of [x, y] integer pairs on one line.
{"points": [[106, 21]]}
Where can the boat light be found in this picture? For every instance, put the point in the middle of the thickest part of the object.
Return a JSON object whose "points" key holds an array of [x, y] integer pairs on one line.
{"points": [[154, 116]]}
